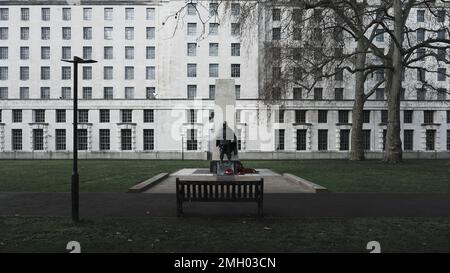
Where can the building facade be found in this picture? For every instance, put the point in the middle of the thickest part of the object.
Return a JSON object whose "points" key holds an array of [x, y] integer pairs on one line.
{"points": [[151, 93]]}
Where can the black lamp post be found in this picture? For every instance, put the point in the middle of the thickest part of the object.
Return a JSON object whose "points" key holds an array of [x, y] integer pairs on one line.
{"points": [[75, 177]]}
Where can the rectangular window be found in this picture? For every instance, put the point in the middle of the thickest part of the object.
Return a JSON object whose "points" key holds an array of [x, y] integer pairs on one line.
{"points": [[16, 139], [237, 90], [39, 116], [150, 52], [60, 139], [191, 116], [213, 70], [428, 117], [108, 33], [87, 93], [421, 94], [339, 94], [66, 73], [235, 9], [66, 92], [149, 140], [108, 93], [150, 33], [45, 14], [448, 140], [213, 29], [24, 73], [191, 9], [191, 29], [87, 33], [45, 53], [24, 93], [87, 72], [276, 33], [108, 14], [66, 33], [421, 16], [379, 35], [297, 93], [45, 93], [87, 52], [322, 140], [191, 70], [24, 33], [379, 94], [4, 14], [150, 93], [66, 52], [191, 91], [235, 70], [129, 13], [129, 33], [150, 14], [213, 49], [300, 116], [66, 14], [127, 115], [104, 116], [408, 116], [344, 140], [420, 35], [276, 14], [343, 116], [60, 115], [25, 14], [279, 140], [323, 116], [441, 74], [430, 139], [104, 135], [384, 116], [212, 92], [16, 115], [82, 139], [441, 94], [38, 139], [301, 140], [129, 92], [149, 116], [3, 53], [108, 53], [366, 140], [129, 72], [83, 116], [281, 116], [108, 73], [213, 9], [87, 14], [150, 73], [129, 52], [3, 33], [339, 74], [318, 94], [3, 73], [191, 139], [192, 49], [408, 140], [235, 29]]}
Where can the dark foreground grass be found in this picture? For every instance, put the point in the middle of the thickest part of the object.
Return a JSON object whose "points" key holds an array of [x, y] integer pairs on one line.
{"points": [[119, 175], [19, 234]]}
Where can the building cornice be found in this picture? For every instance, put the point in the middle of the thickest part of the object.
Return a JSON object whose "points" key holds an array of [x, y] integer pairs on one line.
{"points": [[81, 2]]}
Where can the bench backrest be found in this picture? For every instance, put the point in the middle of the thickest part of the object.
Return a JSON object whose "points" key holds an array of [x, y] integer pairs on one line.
{"points": [[220, 191]]}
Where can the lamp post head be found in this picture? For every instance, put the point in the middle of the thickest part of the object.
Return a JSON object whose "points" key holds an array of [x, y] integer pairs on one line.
{"points": [[79, 60]]}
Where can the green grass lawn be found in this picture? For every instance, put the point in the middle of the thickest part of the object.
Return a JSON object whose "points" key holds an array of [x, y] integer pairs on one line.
{"points": [[19, 234], [119, 175]]}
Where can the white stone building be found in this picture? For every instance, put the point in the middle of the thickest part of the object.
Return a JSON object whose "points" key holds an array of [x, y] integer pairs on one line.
{"points": [[151, 93]]}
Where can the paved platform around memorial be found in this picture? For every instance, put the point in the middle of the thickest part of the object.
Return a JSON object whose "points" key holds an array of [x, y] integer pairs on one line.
{"points": [[273, 182]]}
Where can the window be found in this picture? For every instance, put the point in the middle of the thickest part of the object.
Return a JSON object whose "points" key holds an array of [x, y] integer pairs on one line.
{"points": [[366, 140], [297, 33], [107, 33], [150, 93], [235, 9], [129, 52], [45, 53], [322, 140], [441, 34], [150, 52], [235, 29], [60, 115], [66, 33], [323, 116], [213, 29], [214, 70], [148, 115], [344, 138], [66, 73], [276, 14], [87, 72], [129, 13], [127, 115], [276, 33], [45, 14], [25, 14], [235, 70], [66, 52], [45, 93], [238, 115], [384, 116], [83, 116], [379, 94], [38, 139], [408, 140], [16, 139], [191, 29], [4, 14], [82, 139], [428, 117], [108, 93], [87, 14], [421, 94], [212, 92], [384, 139], [279, 140], [191, 9], [3, 33], [108, 73], [129, 72], [343, 116], [235, 49], [441, 54], [339, 94], [24, 73], [191, 49], [421, 54], [448, 116], [24, 93], [448, 140], [379, 35], [150, 72], [108, 52], [129, 92], [237, 90], [300, 116], [213, 49], [420, 35], [87, 93], [191, 91], [87, 33], [441, 16], [60, 139], [441, 74], [66, 14], [379, 75], [16, 115], [430, 139], [421, 16], [318, 93], [191, 116], [87, 52], [421, 74], [301, 140], [104, 115], [297, 93], [339, 74], [191, 139], [24, 33], [129, 33], [408, 116], [104, 137], [192, 70], [281, 116], [66, 93], [150, 14], [402, 94], [45, 72], [3, 73], [108, 14], [24, 53], [150, 33], [213, 9], [149, 139], [441, 94]]}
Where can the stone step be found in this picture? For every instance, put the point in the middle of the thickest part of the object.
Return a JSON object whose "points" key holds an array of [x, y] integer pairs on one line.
{"points": [[145, 185]]}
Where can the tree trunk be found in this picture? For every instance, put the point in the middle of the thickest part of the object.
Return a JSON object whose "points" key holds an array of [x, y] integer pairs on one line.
{"points": [[394, 84], [357, 148]]}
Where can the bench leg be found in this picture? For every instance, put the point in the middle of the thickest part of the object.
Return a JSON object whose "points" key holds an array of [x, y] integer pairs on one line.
{"points": [[260, 209], [179, 208]]}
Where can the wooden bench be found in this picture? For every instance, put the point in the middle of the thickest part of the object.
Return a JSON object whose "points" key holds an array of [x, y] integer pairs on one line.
{"points": [[219, 191]]}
